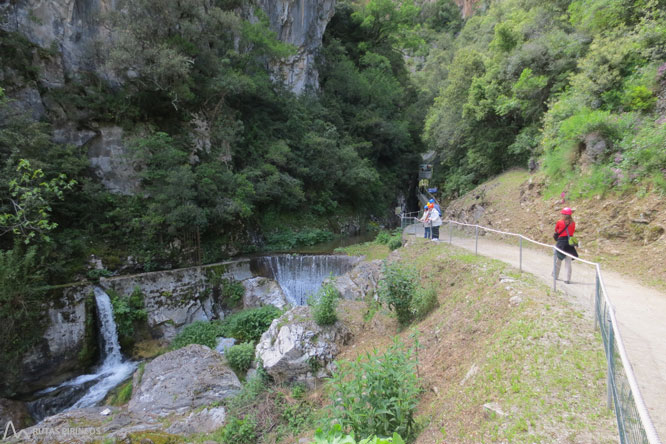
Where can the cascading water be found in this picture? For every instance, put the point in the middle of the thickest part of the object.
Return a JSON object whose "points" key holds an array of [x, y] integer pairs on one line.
{"points": [[112, 371], [300, 276]]}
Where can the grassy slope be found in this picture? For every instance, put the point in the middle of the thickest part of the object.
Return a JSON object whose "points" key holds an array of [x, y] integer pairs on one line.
{"points": [[537, 359], [611, 228]]}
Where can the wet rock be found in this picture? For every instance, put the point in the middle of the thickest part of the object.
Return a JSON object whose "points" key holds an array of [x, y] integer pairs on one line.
{"points": [[182, 380], [260, 291], [295, 348], [16, 412], [57, 355]]}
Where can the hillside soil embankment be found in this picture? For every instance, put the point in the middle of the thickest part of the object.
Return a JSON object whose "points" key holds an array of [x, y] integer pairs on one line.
{"points": [[501, 359], [513, 202]]}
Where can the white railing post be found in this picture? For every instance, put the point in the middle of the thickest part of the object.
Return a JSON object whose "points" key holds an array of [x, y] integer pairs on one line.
{"points": [[520, 266], [554, 268], [476, 242]]}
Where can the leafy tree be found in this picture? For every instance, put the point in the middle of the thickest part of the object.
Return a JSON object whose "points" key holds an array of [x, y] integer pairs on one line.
{"points": [[29, 199]]}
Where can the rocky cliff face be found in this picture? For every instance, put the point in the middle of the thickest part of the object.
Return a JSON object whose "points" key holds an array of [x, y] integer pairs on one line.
{"points": [[69, 27], [72, 29], [466, 6], [301, 23]]}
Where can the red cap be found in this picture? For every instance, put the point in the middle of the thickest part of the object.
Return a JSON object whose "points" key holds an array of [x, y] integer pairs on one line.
{"points": [[566, 211]]}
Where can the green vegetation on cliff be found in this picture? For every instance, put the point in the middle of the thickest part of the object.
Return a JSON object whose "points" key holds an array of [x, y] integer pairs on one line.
{"points": [[220, 147], [574, 86]]}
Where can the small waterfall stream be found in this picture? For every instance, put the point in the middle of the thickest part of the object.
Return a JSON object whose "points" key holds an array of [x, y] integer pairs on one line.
{"points": [[300, 276], [88, 390], [113, 369]]}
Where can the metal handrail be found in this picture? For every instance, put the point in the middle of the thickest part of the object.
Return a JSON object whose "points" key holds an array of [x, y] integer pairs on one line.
{"points": [[646, 421]]}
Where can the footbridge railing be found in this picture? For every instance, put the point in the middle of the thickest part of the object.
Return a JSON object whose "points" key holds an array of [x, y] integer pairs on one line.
{"points": [[624, 397]]}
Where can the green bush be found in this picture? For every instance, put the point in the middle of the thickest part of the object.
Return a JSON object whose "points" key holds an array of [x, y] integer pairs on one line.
{"points": [[323, 305], [337, 436], [378, 395], [395, 242], [240, 431], [232, 290], [199, 332], [383, 237], [127, 312], [397, 289], [240, 357], [249, 325], [423, 302]]}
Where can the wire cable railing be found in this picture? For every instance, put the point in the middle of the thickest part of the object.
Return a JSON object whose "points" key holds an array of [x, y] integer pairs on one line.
{"points": [[624, 397]]}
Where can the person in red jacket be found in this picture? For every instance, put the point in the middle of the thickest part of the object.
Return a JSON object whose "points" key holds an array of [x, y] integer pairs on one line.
{"points": [[565, 228]]}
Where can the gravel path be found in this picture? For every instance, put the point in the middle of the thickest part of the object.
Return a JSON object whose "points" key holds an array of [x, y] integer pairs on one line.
{"points": [[640, 311]]}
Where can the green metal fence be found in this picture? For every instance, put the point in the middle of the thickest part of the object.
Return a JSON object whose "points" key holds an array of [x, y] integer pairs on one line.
{"points": [[624, 397]]}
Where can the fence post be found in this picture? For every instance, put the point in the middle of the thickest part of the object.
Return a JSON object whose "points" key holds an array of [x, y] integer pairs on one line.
{"points": [[476, 242], [450, 232], [596, 300], [554, 267], [521, 254], [609, 358]]}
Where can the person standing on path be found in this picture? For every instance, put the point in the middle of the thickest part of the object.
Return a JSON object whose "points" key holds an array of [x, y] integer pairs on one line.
{"points": [[435, 221], [437, 207], [564, 229], [426, 224]]}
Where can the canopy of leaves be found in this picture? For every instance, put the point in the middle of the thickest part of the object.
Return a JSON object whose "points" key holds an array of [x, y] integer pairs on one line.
{"points": [[519, 69]]}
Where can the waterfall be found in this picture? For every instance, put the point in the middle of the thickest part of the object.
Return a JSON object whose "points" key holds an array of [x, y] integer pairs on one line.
{"points": [[112, 370], [87, 390], [300, 276]]}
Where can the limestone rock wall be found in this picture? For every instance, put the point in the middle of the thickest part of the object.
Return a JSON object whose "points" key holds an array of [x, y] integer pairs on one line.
{"points": [[68, 344], [301, 23], [70, 27], [176, 298]]}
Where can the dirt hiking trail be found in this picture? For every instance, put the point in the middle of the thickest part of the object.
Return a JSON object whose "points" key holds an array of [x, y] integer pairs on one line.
{"points": [[640, 311]]}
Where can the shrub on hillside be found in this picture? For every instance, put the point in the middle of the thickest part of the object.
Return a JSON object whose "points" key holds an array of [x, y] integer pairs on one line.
{"points": [[395, 242], [240, 431], [323, 305], [337, 436], [423, 302], [378, 395], [383, 237], [240, 357], [199, 332], [397, 289], [249, 325]]}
